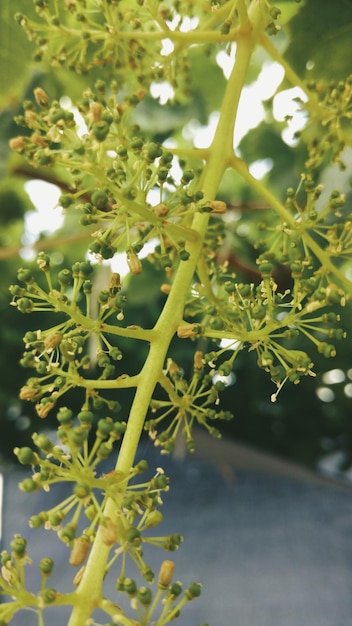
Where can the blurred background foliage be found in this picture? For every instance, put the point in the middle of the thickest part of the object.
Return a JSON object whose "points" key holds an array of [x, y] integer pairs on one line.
{"points": [[309, 422]]}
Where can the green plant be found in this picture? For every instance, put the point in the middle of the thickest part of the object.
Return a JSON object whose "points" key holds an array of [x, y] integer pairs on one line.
{"points": [[131, 189]]}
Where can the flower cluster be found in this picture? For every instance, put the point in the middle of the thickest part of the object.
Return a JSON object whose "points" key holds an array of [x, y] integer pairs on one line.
{"points": [[188, 403], [60, 355], [328, 133], [260, 318], [127, 39], [86, 443], [120, 183], [169, 593]]}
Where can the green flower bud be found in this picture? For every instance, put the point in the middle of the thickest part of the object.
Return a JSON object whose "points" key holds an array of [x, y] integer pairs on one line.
{"points": [[142, 466], [85, 418], [26, 456], [148, 574], [5, 557], [176, 589], [105, 426], [36, 521], [137, 144], [160, 482], [172, 542], [25, 305], [130, 587], [67, 534], [46, 566], [81, 491], [48, 595], [104, 451], [327, 349], [144, 595], [103, 360], [25, 276], [193, 591], [153, 152], [85, 269], [43, 261], [225, 368], [28, 485], [153, 519], [18, 546], [100, 130], [266, 269], [184, 255], [79, 435], [55, 519], [65, 277], [133, 536], [100, 199], [64, 416], [42, 442]]}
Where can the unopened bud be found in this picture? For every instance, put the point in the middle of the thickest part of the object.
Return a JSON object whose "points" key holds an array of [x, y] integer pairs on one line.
{"points": [[41, 97], [188, 330], [215, 206], [52, 340], [17, 143], [95, 110], [166, 573], [77, 579], [134, 263], [165, 288], [79, 551], [198, 362], [108, 532]]}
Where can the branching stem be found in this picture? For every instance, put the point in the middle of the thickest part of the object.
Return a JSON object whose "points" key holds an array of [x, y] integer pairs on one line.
{"points": [[220, 153]]}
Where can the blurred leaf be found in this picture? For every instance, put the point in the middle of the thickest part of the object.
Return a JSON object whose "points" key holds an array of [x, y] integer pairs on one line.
{"points": [[321, 34], [15, 51], [14, 201], [207, 83], [265, 142]]}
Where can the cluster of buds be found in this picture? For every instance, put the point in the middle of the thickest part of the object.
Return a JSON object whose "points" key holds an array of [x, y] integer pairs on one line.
{"points": [[137, 504], [261, 318], [190, 402], [327, 135], [59, 355], [172, 594], [123, 168], [12, 581]]}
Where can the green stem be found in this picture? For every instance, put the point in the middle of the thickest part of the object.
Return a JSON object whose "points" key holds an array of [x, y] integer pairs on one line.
{"points": [[221, 150]]}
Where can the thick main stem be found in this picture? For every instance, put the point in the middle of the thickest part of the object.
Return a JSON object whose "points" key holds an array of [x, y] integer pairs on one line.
{"points": [[220, 153]]}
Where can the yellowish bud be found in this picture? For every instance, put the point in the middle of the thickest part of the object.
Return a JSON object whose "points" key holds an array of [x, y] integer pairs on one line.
{"points": [[161, 209], [79, 551], [18, 143], [217, 206], [166, 573], [134, 263], [41, 97], [52, 341], [29, 393], [95, 111], [44, 409], [198, 362], [165, 288], [108, 532], [77, 579], [183, 332]]}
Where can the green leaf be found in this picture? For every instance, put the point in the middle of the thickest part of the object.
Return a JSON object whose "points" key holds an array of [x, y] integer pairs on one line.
{"points": [[320, 37], [15, 51]]}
